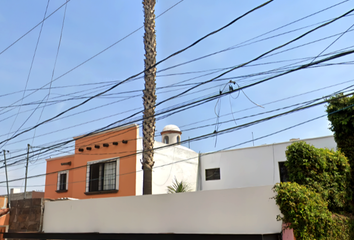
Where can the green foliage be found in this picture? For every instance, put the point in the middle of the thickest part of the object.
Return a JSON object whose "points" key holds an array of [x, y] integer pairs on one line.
{"points": [[178, 187], [321, 184], [324, 171], [308, 215], [304, 209], [342, 124]]}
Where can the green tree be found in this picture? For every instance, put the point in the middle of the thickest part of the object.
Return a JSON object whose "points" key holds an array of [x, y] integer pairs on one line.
{"points": [[324, 171], [178, 187], [341, 115], [308, 215]]}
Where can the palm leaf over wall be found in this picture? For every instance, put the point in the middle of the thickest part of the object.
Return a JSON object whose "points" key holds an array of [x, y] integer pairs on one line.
{"points": [[178, 187]]}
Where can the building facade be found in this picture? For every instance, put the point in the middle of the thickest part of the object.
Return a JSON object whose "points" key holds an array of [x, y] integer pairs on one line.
{"points": [[108, 164], [249, 167]]}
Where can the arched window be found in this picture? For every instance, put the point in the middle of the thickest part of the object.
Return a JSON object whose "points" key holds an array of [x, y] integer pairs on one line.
{"points": [[165, 140], [178, 139]]}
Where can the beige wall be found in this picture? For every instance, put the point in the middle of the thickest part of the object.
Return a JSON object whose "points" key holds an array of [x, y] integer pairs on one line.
{"points": [[231, 211]]}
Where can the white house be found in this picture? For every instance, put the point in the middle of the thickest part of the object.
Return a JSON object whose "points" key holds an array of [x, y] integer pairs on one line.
{"points": [[249, 167], [171, 162]]}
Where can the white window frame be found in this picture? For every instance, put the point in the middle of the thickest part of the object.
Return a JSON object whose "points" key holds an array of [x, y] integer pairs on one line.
{"points": [[67, 179], [100, 161]]}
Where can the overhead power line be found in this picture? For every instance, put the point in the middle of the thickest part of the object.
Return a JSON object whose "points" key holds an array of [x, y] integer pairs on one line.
{"points": [[249, 41], [97, 54], [168, 86], [159, 62], [173, 66], [53, 72], [210, 135], [262, 55], [113, 115], [31, 65], [202, 101], [66, 2], [295, 21], [47, 149], [188, 159], [268, 103]]}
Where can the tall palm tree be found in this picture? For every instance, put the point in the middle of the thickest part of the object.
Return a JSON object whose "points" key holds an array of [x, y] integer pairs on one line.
{"points": [[149, 94], [178, 187]]}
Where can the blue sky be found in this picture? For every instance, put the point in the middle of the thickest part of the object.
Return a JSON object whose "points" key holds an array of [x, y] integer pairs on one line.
{"points": [[91, 26]]}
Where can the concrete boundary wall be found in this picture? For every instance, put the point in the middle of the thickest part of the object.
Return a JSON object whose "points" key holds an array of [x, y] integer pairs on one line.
{"points": [[230, 211]]}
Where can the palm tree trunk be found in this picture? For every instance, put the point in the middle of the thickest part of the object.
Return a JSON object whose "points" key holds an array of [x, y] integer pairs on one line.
{"points": [[149, 94]]}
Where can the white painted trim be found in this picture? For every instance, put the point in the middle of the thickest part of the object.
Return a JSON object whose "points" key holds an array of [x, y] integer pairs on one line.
{"points": [[67, 179]]}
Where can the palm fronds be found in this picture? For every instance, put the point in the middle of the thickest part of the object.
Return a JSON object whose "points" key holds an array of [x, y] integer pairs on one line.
{"points": [[178, 187]]}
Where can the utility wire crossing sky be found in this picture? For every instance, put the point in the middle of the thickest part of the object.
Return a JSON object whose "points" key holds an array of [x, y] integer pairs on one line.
{"points": [[72, 69]]}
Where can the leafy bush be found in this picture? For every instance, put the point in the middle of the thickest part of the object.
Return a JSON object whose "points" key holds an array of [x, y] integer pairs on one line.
{"points": [[322, 170], [308, 215], [321, 182], [341, 115]]}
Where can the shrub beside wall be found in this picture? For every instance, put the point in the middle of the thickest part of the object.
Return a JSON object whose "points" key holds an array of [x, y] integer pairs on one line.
{"points": [[322, 170], [317, 200], [308, 214]]}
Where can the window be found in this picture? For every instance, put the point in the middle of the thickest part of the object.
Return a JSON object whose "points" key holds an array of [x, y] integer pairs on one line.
{"points": [[212, 174], [165, 139], [102, 176], [283, 172], [62, 184], [178, 139]]}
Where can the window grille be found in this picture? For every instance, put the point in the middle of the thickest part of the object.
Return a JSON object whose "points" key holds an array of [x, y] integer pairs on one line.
{"points": [[102, 176]]}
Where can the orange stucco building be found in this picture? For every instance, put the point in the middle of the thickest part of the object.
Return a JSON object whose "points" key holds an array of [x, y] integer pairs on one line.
{"points": [[103, 165]]}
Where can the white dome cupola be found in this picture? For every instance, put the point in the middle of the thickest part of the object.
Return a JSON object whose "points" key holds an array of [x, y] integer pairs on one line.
{"points": [[171, 134]]}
